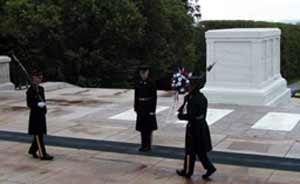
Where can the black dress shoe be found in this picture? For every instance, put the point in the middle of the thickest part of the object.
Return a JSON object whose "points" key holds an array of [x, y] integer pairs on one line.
{"points": [[47, 157], [182, 173], [208, 173]]}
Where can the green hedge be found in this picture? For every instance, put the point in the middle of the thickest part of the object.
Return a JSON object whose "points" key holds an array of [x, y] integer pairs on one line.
{"points": [[290, 42]]}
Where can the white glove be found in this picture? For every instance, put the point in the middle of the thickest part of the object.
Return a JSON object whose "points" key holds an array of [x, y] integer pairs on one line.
{"points": [[151, 113], [41, 104]]}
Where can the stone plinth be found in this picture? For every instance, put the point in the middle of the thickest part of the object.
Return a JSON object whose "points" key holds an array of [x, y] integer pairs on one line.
{"points": [[248, 67], [5, 83]]}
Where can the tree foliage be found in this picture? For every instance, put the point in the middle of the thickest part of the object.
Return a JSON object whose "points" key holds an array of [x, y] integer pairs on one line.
{"points": [[97, 43]]}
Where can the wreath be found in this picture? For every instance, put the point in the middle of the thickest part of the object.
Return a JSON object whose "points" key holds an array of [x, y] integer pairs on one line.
{"points": [[180, 81]]}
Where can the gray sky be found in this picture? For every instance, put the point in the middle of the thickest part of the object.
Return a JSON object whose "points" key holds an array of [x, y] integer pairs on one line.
{"points": [[250, 9]]}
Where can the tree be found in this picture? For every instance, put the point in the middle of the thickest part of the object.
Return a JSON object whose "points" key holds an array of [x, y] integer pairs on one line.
{"points": [[168, 38], [34, 31], [98, 43]]}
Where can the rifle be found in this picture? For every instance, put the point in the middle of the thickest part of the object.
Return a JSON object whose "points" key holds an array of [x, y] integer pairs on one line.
{"points": [[35, 87]]}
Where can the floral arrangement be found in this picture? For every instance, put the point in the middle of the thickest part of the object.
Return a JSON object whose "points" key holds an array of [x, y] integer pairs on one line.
{"points": [[180, 80]]}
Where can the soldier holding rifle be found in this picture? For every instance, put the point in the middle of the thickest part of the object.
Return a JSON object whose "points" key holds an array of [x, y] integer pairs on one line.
{"points": [[197, 140], [37, 119]]}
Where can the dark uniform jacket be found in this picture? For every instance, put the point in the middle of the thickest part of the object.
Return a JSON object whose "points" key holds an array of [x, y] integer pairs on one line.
{"points": [[197, 131], [37, 117], [145, 99]]}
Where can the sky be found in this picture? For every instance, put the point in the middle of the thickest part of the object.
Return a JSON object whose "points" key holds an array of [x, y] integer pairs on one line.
{"points": [[270, 10]]}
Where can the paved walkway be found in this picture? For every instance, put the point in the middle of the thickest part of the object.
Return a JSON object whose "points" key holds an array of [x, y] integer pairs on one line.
{"points": [[75, 166], [106, 115]]}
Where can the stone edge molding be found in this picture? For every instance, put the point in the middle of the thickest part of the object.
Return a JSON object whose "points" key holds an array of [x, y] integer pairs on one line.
{"points": [[5, 83], [248, 67]]}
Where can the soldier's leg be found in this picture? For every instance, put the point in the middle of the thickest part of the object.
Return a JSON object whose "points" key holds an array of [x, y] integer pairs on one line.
{"points": [[189, 163], [33, 148], [42, 148], [188, 166], [146, 141], [149, 139], [143, 139], [189, 158], [207, 164], [40, 145]]}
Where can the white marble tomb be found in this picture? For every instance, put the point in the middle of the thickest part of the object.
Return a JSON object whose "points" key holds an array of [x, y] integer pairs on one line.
{"points": [[247, 71]]}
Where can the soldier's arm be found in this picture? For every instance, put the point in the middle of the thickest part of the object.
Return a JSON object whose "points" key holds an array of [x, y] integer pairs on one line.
{"points": [[183, 116]]}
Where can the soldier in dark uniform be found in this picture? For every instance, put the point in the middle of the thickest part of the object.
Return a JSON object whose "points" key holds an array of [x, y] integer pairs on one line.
{"points": [[197, 140], [145, 99], [37, 119]]}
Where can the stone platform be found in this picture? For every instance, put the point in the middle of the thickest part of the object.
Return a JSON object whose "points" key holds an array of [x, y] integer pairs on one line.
{"points": [[106, 115], [76, 166]]}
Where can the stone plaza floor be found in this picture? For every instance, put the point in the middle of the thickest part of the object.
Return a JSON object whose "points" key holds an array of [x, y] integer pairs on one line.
{"points": [[77, 166], [107, 115]]}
